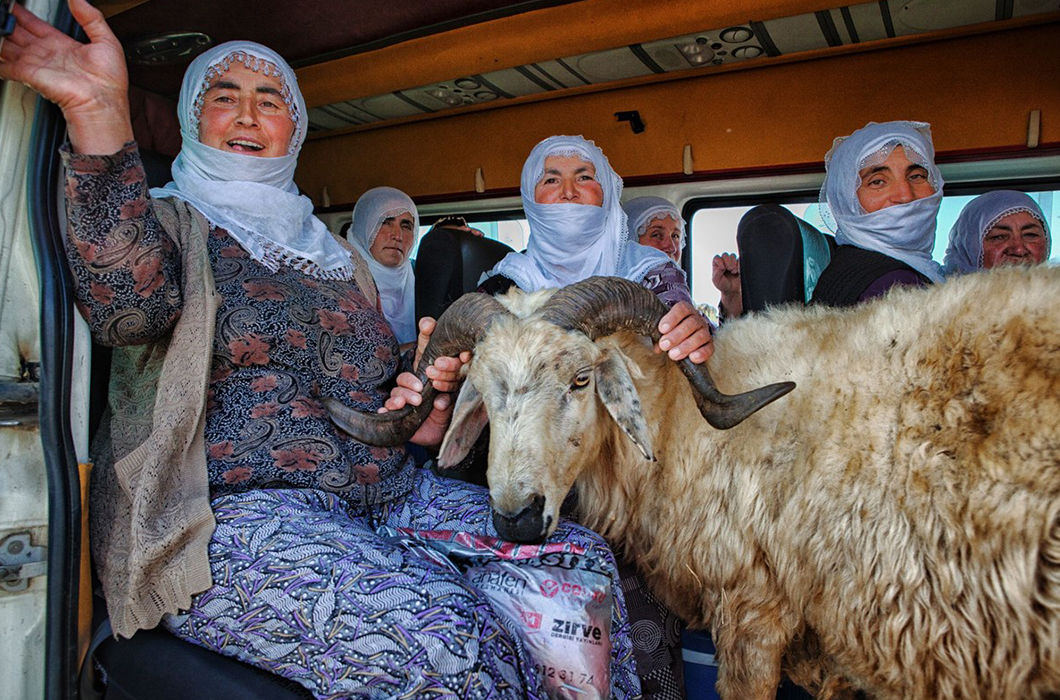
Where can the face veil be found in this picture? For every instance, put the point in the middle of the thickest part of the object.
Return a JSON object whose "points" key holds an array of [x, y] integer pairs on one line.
{"points": [[906, 231]]}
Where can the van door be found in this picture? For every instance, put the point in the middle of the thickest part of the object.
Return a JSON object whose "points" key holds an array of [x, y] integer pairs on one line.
{"points": [[43, 427], [23, 484]]}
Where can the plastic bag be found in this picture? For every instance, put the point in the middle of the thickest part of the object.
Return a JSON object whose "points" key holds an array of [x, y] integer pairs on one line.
{"points": [[554, 596]]}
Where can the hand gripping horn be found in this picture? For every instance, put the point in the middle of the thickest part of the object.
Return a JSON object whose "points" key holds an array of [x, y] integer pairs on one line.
{"points": [[600, 306], [459, 328]]}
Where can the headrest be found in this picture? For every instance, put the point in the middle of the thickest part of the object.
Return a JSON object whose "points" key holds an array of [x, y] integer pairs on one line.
{"points": [[781, 257], [449, 263]]}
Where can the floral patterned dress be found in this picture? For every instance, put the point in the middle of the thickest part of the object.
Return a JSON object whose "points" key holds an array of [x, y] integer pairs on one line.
{"points": [[309, 580]]}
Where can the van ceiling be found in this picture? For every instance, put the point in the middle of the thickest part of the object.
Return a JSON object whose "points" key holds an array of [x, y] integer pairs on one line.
{"points": [[302, 31], [337, 46]]}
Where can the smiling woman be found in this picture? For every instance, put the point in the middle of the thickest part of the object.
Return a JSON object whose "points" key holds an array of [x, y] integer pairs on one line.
{"points": [[244, 111], [224, 502]]}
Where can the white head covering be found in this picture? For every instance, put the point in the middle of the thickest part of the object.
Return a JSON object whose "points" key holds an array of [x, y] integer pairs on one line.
{"points": [[571, 242], [644, 210], [396, 285], [903, 231], [254, 198], [965, 250]]}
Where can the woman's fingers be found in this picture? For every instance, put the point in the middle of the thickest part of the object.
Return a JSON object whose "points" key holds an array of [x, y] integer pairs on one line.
{"points": [[426, 327], [685, 334], [445, 373], [92, 21]]}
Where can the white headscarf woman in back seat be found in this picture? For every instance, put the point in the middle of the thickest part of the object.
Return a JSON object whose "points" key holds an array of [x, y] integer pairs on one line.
{"points": [[578, 230], [387, 253]]}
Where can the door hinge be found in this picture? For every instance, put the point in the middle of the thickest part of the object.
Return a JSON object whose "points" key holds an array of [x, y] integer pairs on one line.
{"points": [[18, 404], [20, 561]]}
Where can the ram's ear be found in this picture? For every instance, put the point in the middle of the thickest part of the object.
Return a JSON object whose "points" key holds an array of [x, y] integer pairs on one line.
{"points": [[615, 388], [469, 418]]}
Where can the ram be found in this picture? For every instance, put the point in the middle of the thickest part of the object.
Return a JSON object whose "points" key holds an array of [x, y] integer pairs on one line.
{"points": [[891, 526]]}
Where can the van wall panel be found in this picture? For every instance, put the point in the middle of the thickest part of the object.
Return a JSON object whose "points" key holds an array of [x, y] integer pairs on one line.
{"points": [[977, 92]]}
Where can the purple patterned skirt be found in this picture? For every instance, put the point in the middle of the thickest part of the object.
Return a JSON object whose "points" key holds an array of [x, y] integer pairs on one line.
{"points": [[307, 587]]}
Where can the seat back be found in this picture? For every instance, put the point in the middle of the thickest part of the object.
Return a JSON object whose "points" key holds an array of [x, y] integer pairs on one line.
{"points": [[448, 264], [157, 167], [781, 257]]}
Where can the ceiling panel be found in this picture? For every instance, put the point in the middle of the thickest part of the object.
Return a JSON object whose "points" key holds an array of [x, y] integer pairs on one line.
{"points": [[330, 28], [916, 16]]}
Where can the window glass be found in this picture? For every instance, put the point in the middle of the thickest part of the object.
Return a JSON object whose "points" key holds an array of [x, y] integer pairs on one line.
{"points": [[513, 232], [713, 231]]}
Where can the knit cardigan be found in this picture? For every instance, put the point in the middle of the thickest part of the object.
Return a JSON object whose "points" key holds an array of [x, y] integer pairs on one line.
{"points": [[151, 520], [150, 508]]}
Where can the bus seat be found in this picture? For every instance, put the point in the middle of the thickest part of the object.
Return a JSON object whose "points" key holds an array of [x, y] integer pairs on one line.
{"points": [[448, 264], [156, 167], [781, 257], [155, 665]]}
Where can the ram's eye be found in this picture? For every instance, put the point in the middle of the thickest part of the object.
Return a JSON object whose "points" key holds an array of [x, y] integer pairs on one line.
{"points": [[581, 380]]}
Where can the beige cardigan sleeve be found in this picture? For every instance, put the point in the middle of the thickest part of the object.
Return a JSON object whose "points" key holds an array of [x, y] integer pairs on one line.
{"points": [[151, 516]]}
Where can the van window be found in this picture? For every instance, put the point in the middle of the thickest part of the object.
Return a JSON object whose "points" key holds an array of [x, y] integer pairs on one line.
{"points": [[512, 232], [713, 231]]}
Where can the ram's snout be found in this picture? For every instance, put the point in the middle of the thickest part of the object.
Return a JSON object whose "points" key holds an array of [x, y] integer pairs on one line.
{"points": [[528, 526]]}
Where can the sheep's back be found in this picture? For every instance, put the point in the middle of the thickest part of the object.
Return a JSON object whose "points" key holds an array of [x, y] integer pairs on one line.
{"points": [[912, 479]]}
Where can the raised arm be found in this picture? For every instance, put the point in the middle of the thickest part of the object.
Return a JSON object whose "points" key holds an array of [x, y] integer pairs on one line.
{"points": [[725, 274], [89, 82], [126, 268]]}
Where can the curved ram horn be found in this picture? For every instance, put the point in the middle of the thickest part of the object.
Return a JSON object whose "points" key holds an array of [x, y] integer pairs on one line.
{"points": [[600, 306], [459, 328]]}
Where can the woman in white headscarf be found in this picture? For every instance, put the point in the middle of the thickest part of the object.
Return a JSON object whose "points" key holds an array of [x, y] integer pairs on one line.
{"points": [[1003, 227], [572, 200], [226, 506], [657, 223], [882, 191], [384, 227]]}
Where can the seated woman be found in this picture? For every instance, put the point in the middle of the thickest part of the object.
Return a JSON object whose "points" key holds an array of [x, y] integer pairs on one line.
{"points": [[1003, 227], [883, 190], [229, 508], [384, 227], [571, 197], [657, 223]]}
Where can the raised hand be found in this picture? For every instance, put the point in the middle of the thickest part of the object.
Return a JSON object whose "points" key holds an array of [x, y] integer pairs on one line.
{"points": [[725, 274], [89, 82]]}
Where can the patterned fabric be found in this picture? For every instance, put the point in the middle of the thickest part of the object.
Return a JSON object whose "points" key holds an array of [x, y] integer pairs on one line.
{"points": [[283, 340], [656, 633], [304, 583], [668, 282], [150, 517], [114, 243], [315, 590]]}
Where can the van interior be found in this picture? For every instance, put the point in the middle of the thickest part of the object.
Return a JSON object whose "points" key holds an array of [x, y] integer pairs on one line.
{"points": [[718, 106]]}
